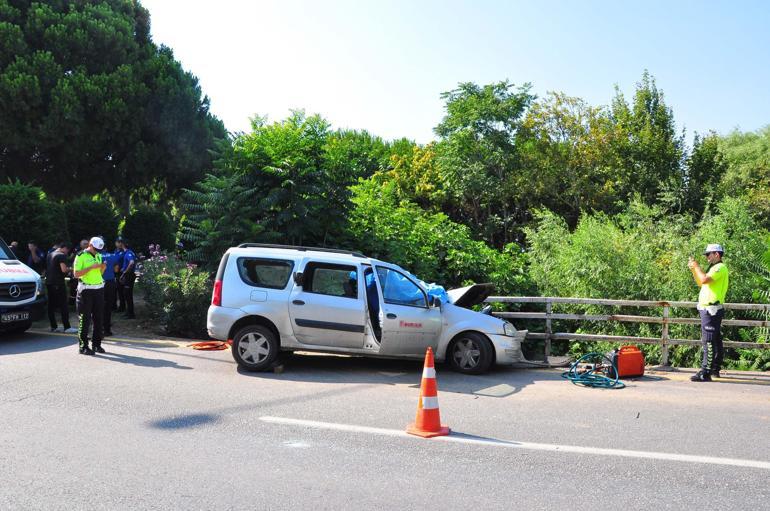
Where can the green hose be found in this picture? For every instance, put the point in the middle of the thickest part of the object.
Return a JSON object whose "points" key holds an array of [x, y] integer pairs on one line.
{"points": [[591, 378]]}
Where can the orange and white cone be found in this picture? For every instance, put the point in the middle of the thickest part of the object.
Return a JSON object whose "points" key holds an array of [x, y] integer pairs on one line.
{"points": [[427, 424]]}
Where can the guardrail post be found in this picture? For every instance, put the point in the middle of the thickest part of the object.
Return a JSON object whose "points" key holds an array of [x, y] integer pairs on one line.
{"points": [[548, 327], [664, 337]]}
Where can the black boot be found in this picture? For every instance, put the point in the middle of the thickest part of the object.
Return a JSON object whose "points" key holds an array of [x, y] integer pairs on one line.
{"points": [[701, 376], [85, 350], [98, 348]]}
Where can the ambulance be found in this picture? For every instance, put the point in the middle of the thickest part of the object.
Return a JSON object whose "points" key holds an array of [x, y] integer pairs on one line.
{"points": [[22, 297]]}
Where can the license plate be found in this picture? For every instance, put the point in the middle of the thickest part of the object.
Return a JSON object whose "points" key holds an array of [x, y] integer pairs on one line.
{"points": [[14, 316]]}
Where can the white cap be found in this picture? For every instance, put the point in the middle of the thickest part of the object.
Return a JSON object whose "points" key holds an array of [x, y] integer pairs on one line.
{"points": [[97, 242], [714, 247]]}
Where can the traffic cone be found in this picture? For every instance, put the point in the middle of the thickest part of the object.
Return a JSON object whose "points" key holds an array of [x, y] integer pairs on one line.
{"points": [[427, 424]]}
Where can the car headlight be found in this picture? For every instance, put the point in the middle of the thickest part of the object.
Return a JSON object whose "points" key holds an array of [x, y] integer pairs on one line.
{"points": [[509, 329], [39, 284]]}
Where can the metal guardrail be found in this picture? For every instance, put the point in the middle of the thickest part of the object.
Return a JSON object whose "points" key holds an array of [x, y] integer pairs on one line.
{"points": [[664, 319]]}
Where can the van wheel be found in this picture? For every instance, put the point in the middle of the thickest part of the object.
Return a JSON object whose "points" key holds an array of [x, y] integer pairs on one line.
{"points": [[470, 353], [255, 348]]}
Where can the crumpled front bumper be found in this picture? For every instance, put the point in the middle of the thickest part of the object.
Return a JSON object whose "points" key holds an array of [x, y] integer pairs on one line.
{"points": [[508, 349]]}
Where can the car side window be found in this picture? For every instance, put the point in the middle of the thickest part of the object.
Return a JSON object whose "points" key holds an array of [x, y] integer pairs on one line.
{"points": [[397, 289], [331, 279], [269, 273]]}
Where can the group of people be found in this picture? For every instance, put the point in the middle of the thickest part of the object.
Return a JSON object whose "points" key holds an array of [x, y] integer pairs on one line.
{"points": [[104, 284]]}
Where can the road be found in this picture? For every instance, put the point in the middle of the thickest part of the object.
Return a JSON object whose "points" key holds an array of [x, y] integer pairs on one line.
{"points": [[156, 425]]}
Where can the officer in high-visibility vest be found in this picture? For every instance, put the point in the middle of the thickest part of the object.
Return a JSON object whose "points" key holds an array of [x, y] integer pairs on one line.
{"points": [[89, 268], [713, 289]]}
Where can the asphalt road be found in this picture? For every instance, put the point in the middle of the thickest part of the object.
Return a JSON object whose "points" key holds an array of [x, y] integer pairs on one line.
{"points": [[160, 426]]}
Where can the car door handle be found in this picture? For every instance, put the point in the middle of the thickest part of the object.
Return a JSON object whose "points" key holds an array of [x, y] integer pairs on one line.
{"points": [[391, 316], [298, 302]]}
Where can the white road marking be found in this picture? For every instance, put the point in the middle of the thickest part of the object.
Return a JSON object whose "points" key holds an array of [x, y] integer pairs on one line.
{"points": [[574, 449]]}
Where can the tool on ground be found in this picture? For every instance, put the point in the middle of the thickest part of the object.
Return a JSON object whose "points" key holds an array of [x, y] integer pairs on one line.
{"points": [[629, 361], [427, 424], [595, 372]]}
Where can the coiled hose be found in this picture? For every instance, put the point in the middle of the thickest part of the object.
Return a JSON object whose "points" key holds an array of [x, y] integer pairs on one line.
{"points": [[594, 377]]}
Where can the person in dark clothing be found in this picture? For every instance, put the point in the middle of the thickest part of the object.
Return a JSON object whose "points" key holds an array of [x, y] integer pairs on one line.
{"points": [[110, 288], [14, 246], [56, 271], [36, 259], [120, 305], [127, 276]]}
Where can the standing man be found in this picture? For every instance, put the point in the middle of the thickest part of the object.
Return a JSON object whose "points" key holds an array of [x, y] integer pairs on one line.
{"points": [[110, 288], [90, 298], [36, 259], [713, 289], [55, 274], [128, 276], [119, 252]]}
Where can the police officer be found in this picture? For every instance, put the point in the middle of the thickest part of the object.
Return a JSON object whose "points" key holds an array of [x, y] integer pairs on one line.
{"points": [[127, 276], [713, 289], [110, 288], [90, 296]]}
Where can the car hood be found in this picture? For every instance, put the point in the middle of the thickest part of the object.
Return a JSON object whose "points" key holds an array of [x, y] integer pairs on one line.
{"points": [[14, 271], [469, 296]]}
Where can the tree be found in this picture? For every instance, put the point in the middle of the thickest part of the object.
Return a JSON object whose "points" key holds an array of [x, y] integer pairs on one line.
{"points": [[478, 156], [28, 215], [88, 102], [747, 156], [645, 138], [87, 217]]}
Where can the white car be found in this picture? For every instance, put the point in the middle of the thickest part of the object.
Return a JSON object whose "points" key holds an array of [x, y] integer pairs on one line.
{"points": [[22, 299], [269, 298]]}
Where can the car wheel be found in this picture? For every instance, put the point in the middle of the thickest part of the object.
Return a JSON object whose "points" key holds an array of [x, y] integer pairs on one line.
{"points": [[470, 353], [255, 348]]}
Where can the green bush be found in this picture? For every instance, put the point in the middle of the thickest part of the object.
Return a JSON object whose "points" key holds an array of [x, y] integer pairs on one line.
{"points": [[87, 217], [429, 244], [27, 215], [642, 254], [147, 226], [177, 294]]}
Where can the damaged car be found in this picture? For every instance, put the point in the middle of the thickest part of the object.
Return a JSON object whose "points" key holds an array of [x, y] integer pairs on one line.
{"points": [[273, 298]]}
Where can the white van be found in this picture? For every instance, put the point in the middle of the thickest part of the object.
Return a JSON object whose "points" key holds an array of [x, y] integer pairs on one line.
{"points": [[269, 298], [22, 299]]}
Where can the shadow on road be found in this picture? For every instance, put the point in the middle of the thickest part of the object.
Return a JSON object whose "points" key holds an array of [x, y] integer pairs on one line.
{"points": [[17, 344], [315, 368], [140, 361]]}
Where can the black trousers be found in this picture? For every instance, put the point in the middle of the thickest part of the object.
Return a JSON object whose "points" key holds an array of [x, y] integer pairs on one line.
{"points": [[711, 339], [90, 307], [57, 300], [110, 295], [128, 291], [120, 293]]}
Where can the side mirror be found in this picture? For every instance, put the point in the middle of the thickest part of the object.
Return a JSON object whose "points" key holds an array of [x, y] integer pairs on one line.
{"points": [[435, 302], [299, 278]]}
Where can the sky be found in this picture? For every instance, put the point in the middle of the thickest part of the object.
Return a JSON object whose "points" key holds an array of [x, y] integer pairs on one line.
{"points": [[382, 65]]}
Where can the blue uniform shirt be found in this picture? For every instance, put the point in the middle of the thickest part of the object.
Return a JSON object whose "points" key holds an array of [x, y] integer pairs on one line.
{"points": [[127, 257], [110, 260]]}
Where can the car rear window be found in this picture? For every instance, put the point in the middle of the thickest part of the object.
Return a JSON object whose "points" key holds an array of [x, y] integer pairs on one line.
{"points": [[269, 273]]}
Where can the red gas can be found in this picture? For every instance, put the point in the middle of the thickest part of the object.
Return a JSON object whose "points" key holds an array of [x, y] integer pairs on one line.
{"points": [[629, 360]]}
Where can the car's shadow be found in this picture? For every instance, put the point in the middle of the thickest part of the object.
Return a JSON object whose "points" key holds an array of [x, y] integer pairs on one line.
{"points": [[316, 368], [17, 344]]}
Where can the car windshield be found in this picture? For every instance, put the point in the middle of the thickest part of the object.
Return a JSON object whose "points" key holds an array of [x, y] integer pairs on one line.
{"points": [[5, 252]]}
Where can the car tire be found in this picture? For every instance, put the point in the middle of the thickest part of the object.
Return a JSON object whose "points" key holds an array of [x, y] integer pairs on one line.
{"points": [[255, 348], [470, 353]]}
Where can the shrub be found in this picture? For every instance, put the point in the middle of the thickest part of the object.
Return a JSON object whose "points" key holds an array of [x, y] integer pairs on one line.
{"points": [[178, 295], [28, 216], [147, 226], [87, 217]]}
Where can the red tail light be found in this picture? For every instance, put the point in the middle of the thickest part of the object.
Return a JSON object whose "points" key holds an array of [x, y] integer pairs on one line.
{"points": [[216, 298]]}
